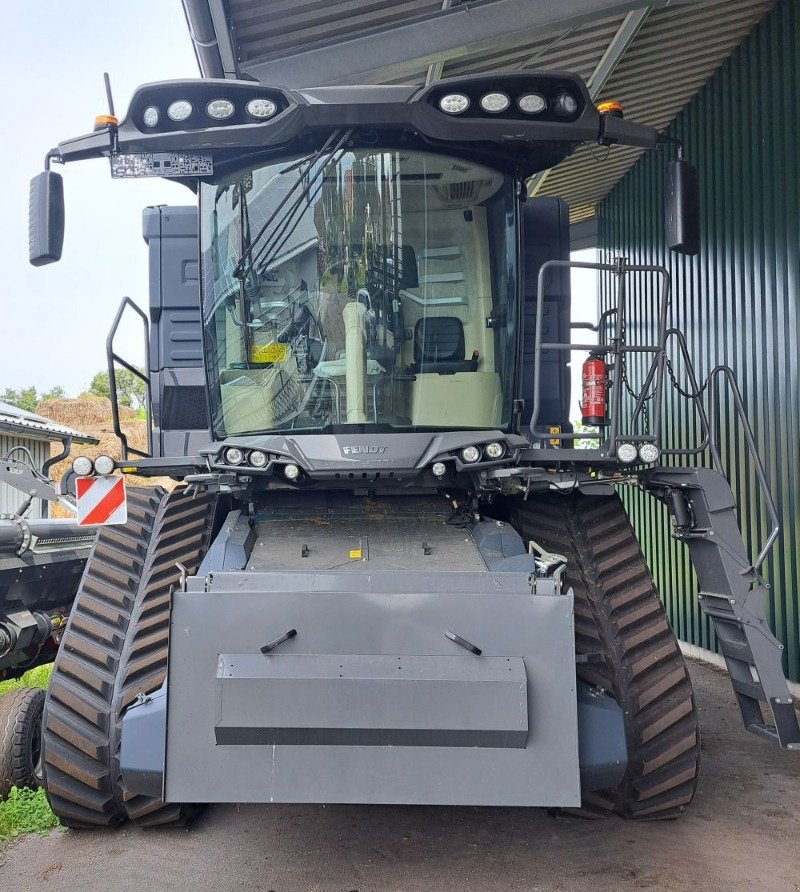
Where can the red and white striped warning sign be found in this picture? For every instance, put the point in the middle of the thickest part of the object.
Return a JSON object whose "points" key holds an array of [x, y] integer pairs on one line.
{"points": [[101, 500]]}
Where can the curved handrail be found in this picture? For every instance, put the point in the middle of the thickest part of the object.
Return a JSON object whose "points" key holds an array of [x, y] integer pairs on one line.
{"points": [[111, 359]]}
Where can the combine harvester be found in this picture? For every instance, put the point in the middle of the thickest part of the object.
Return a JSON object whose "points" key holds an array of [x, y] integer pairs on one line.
{"points": [[388, 575]]}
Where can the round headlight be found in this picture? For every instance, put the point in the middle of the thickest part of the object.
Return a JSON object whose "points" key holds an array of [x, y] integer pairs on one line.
{"points": [[219, 109], [291, 472], [470, 454], [626, 452], [532, 103], [150, 116], [454, 103], [179, 110], [261, 108], [565, 104], [494, 103], [495, 450], [82, 466], [258, 459], [104, 464], [234, 456], [438, 469], [648, 453]]}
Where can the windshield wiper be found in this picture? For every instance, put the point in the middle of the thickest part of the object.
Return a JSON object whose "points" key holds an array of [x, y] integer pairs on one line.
{"points": [[248, 261]]}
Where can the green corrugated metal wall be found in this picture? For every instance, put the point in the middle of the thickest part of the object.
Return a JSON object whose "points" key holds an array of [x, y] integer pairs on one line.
{"points": [[737, 302]]}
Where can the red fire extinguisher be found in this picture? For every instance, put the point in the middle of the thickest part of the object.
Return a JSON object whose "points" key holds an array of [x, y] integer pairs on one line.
{"points": [[593, 404]]}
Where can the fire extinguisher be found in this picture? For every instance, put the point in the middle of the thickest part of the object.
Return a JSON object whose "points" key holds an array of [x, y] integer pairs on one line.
{"points": [[593, 404]]}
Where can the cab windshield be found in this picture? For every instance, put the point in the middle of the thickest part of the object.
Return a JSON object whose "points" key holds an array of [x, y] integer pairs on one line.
{"points": [[367, 287]]}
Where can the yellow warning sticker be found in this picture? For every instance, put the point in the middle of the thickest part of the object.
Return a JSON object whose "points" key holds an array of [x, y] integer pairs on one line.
{"points": [[355, 554], [555, 429], [269, 352]]}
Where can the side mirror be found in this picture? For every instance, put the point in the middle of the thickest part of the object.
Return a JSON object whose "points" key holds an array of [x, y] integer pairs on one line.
{"points": [[682, 208], [46, 218]]}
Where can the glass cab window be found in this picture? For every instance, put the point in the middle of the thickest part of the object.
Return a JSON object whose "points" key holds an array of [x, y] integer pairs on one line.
{"points": [[370, 287]]}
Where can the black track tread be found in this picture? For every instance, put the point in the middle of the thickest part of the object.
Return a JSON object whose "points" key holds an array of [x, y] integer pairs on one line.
{"points": [[618, 614], [113, 649], [20, 709]]}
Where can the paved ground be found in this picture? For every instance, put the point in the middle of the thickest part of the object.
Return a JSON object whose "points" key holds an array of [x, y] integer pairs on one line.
{"points": [[742, 832]]}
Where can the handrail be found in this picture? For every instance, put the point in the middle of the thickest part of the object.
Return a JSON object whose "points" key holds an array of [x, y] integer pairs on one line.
{"points": [[112, 358], [616, 349], [726, 372], [695, 394], [710, 433]]}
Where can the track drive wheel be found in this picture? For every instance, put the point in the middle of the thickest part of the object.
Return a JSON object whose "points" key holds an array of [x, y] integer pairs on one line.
{"points": [[113, 649], [21, 739], [619, 616]]}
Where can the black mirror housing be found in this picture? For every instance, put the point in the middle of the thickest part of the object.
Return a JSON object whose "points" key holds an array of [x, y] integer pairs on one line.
{"points": [[46, 218], [682, 208]]}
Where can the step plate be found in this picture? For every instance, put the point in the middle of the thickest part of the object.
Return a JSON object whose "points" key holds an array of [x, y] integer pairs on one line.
{"points": [[459, 729], [365, 699]]}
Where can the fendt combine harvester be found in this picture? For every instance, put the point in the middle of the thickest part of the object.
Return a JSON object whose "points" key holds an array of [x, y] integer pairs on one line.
{"points": [[387, 575]]}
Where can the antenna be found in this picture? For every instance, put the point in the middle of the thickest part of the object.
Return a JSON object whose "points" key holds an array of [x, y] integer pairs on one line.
{"points": [[110, 98]]}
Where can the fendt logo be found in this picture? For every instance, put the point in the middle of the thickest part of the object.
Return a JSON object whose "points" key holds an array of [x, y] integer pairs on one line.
{"points": [[363, 450]]}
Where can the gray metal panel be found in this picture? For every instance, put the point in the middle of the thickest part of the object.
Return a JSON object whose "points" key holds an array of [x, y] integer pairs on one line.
{"points": [[371, 699], [373, 582], [364, 544], [536, 629]]}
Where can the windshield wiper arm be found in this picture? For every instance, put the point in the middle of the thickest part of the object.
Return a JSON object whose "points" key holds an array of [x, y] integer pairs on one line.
{"points": [[332, 145]]}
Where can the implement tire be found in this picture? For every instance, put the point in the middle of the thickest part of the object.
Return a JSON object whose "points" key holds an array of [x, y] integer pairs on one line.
{"points": [[20, 739], [619, 616], [115, 648]]}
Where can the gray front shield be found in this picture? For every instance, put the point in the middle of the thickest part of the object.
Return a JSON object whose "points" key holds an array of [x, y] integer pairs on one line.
{"points": [[370, 702]]}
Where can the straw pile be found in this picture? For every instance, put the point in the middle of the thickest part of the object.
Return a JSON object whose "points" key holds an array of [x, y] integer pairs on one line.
{"points": [[92, 415]]}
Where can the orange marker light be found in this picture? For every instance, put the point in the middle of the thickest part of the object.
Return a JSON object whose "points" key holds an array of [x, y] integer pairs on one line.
{"points": [[106, 121], [611, 106]]}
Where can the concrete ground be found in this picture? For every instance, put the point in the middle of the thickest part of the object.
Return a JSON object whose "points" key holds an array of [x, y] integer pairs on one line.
{"points": [[741, 833]]}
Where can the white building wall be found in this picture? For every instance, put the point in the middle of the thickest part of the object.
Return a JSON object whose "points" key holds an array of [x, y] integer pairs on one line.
{"points": [[10, 498]]}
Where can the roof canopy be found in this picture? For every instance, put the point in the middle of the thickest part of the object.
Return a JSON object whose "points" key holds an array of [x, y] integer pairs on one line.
{"points": [[651, 56], [17, 421]]}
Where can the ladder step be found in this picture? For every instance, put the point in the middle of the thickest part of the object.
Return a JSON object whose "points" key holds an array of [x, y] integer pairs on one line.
{"points": [[750, 689], [768, 732], [736, 650]]}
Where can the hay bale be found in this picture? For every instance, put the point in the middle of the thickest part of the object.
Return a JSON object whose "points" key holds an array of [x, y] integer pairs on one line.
{"points": [[92, 415]]}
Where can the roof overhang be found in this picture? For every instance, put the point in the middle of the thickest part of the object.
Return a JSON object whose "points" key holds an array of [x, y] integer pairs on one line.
{"points": [[653, 56]]}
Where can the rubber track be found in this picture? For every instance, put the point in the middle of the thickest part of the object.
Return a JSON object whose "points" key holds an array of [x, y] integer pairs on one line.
{"points": [[113, 649], [19, 709], [618, 615]]}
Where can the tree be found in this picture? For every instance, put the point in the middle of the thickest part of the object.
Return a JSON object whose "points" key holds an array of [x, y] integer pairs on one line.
{"points": [[131, 391], [26, 398]]}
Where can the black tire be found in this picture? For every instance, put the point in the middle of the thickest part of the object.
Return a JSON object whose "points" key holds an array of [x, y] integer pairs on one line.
{"points": [[619, 616], [21, 739], [114, 648]]}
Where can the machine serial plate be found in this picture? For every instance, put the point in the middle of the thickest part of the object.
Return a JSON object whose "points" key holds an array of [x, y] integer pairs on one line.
{"points": [[161, 164]]}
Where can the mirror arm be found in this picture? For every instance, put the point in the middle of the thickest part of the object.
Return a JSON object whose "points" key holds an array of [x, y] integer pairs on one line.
{"points": [[52, 155], [666, 139]]}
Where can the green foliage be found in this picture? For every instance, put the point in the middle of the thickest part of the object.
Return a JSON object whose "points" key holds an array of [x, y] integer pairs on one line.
{"points": [[131, 391], [26, 398], [33, 678], [25, 811]]}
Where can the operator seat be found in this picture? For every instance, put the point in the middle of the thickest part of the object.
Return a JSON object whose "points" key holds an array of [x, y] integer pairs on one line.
{"points": [[439, 347]]}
